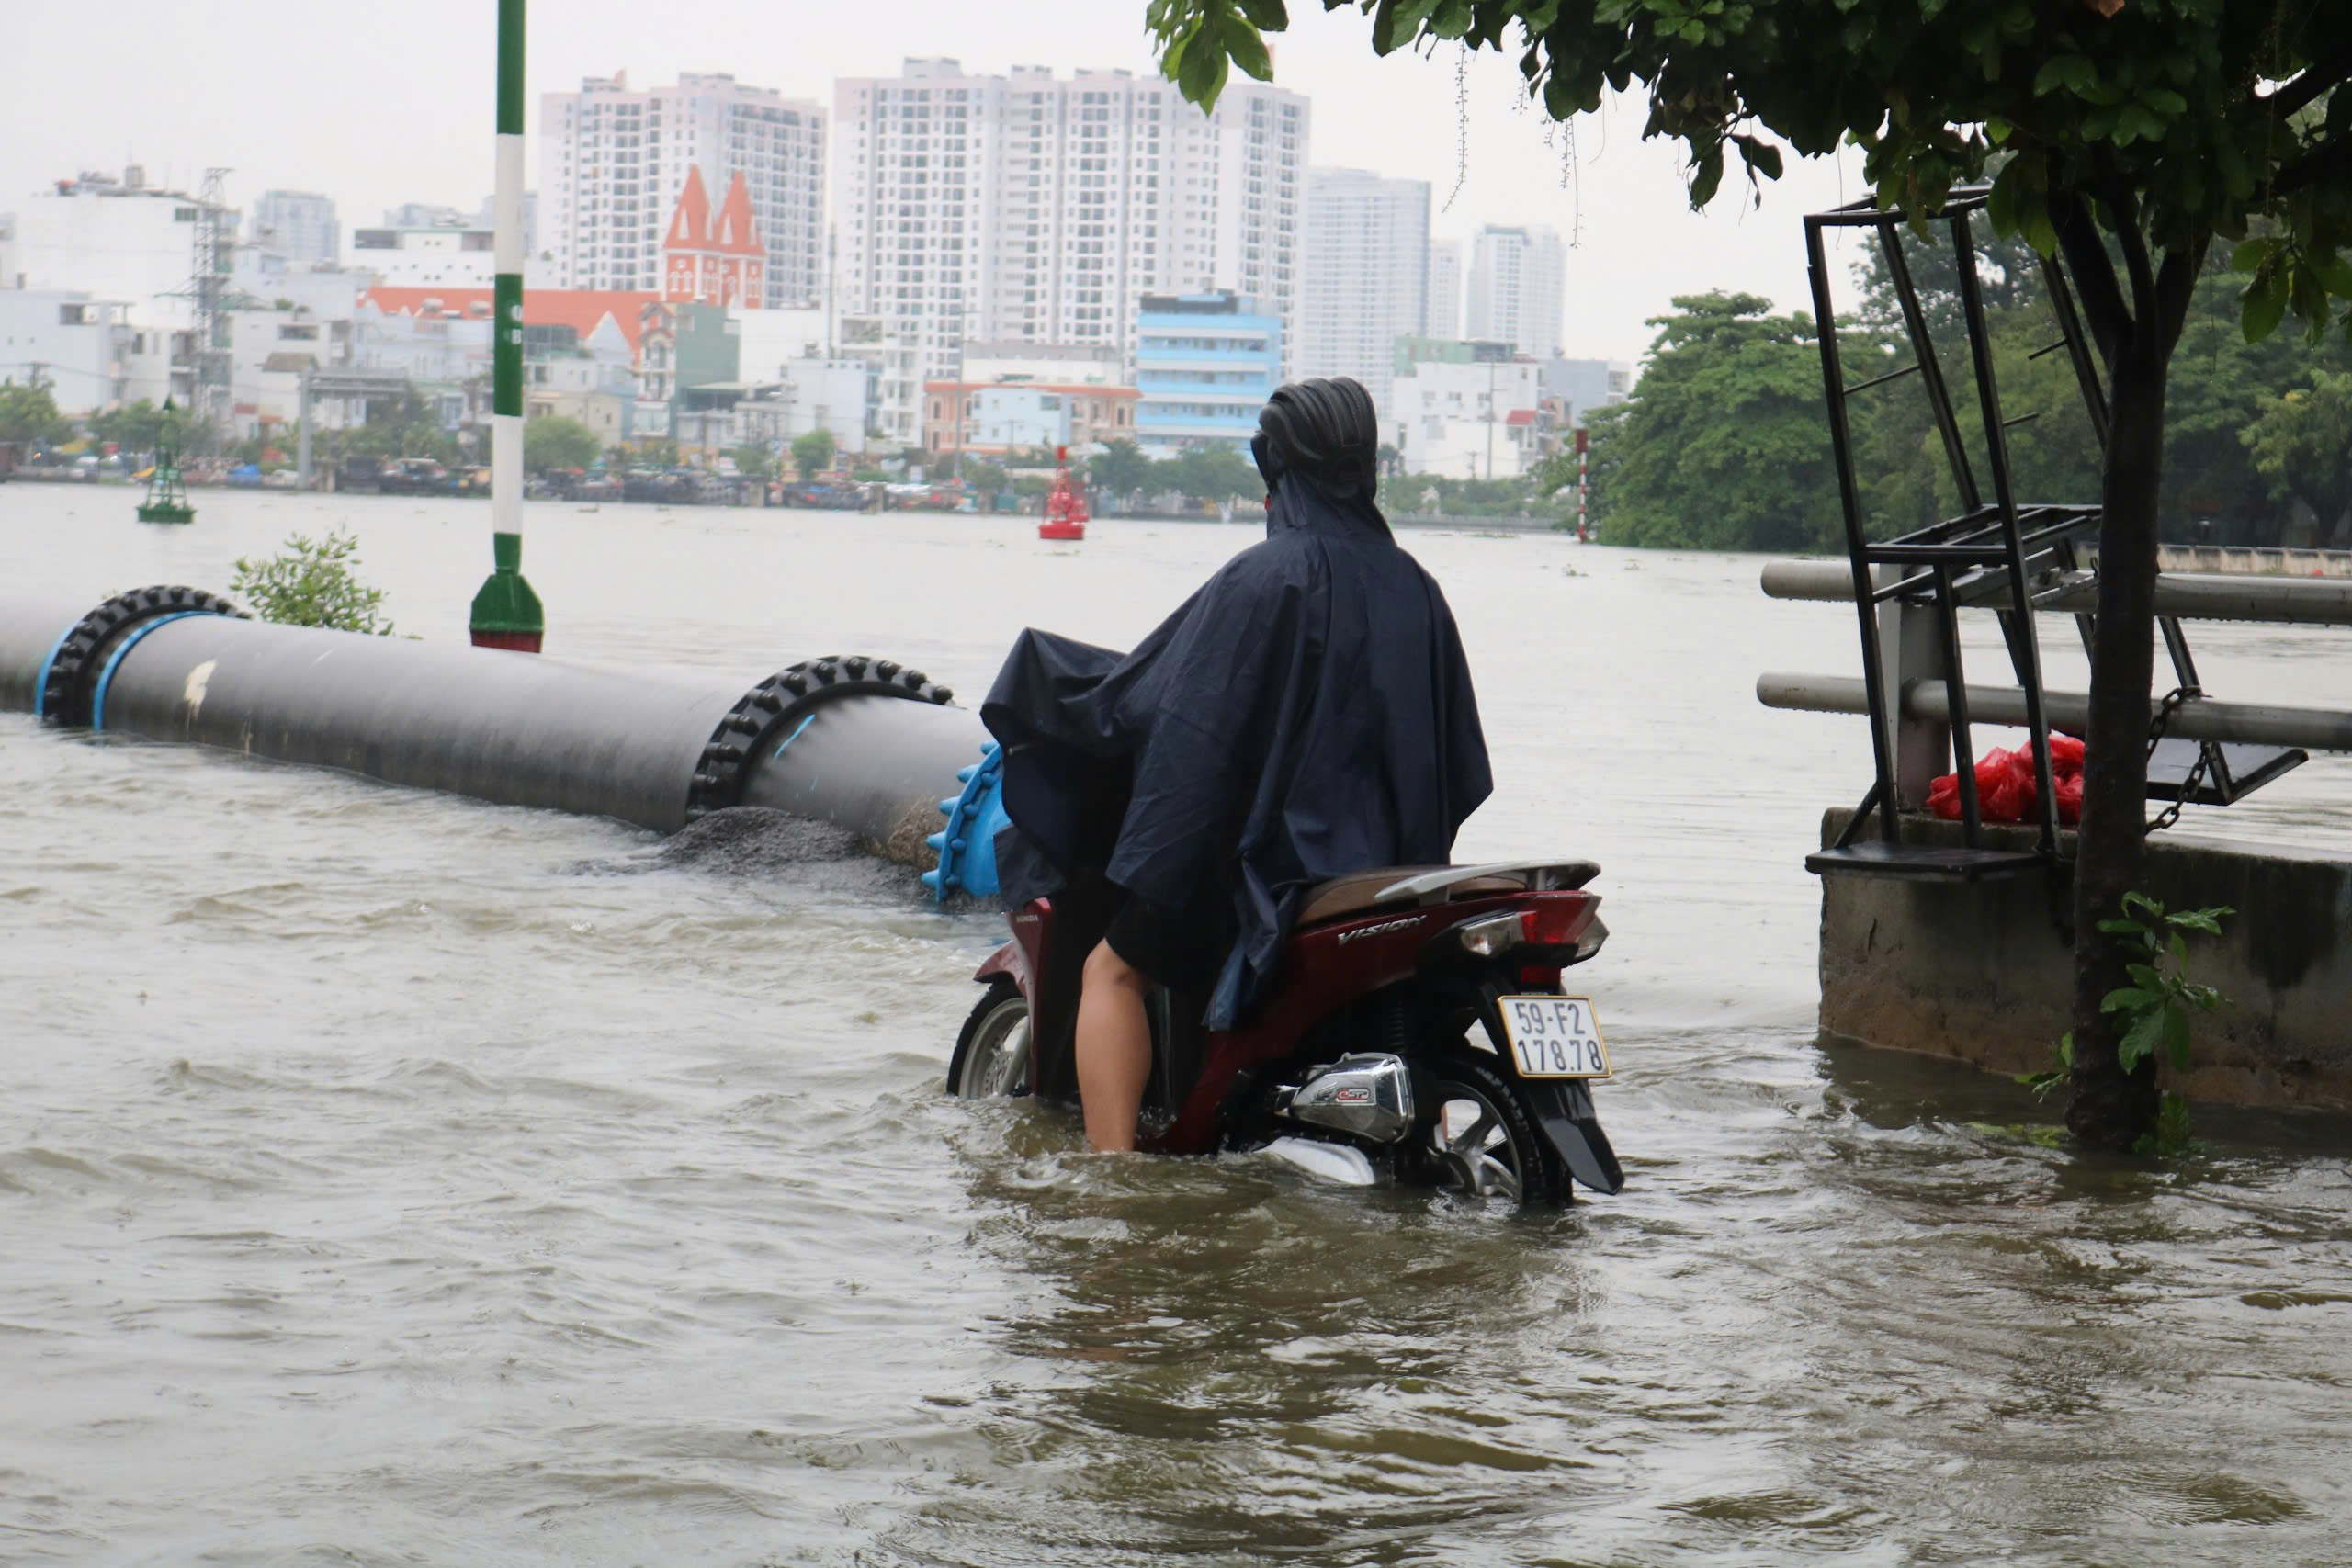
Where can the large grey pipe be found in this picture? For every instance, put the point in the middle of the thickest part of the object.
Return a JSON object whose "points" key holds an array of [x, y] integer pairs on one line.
{"points": [[836, 740], [879, 768], [29, 629], [512, 727]]}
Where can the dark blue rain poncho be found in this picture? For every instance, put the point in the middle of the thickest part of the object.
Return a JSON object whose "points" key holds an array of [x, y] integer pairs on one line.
{"points": [[1306, 713]]}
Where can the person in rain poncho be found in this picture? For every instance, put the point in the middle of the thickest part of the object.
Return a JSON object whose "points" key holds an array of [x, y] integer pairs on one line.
{"points": [[1306, 713]]}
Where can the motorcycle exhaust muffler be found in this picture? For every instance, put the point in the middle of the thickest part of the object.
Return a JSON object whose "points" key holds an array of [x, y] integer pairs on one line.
{"points": [[1366, 1093]]}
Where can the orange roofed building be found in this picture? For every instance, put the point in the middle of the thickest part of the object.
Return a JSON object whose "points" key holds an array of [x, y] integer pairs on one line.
{"points": [[714, 258], [443, 334]]}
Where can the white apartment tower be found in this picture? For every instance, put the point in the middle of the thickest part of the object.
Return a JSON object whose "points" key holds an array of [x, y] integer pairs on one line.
{"points": [[1367, 275], [1519, 285], [613, 163], [1024, 208], [1445, 290], [298, 224]]}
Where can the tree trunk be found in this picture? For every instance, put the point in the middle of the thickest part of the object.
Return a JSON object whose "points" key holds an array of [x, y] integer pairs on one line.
{"points": [[2111, 1109]]}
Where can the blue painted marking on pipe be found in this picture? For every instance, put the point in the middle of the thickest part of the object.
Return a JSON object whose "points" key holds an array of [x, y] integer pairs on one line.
{"points": [[40, 681], [966, 845], [98, 692], [788, 740]]}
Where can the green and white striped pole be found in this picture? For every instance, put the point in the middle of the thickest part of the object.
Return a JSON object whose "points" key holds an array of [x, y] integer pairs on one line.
{"points": [[506, 613]]}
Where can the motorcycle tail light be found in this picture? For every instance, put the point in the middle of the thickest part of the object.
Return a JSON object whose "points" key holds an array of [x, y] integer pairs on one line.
{"points": [[1555, 920], [1539, 976], [1495, 934], [1589, 943]]}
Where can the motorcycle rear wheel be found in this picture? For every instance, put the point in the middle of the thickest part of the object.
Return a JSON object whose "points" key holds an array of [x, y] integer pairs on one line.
{"points": [[992, 1054], [1480, 1139]]}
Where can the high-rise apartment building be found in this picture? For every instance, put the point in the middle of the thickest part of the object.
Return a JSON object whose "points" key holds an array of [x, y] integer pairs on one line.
{"points": [[1519, 285], [613, 163], [1367, 275], [298, 224], [1445, 289], [1026, 208]]}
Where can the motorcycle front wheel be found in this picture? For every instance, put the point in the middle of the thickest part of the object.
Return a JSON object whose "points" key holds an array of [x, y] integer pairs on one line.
{"points": [[992, 1053], [1477, 1137]]}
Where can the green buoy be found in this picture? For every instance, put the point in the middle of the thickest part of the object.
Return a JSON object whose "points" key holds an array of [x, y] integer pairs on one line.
{"points": [[166, 497]]}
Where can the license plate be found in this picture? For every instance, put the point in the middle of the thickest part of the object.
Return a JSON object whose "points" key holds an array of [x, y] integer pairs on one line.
{"points": [[1554, 1037]]}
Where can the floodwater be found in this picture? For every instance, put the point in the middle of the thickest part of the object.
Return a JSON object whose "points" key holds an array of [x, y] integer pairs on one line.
{"points": [[388, 1178]]}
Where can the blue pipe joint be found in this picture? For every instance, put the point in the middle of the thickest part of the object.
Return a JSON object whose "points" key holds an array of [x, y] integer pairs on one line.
{"points": [[966, 846]]}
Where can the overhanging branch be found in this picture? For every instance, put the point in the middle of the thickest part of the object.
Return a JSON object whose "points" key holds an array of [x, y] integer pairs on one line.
{"points": [[2294, 96], [2326, 161], [2094, 273], [2176, 282], [2124, 208]]}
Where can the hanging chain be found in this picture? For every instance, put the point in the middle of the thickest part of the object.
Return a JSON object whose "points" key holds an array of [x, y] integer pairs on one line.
{"points": [[2165, 711]]}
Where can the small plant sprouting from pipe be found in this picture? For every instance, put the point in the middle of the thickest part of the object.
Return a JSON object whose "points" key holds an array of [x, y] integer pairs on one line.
{"points": [[2157, 1008], [310, 582]]}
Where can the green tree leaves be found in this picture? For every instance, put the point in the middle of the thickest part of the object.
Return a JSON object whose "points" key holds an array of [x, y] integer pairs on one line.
{"points": [[1120, 469], [813, 452], [29, 415], [309, 583], [2156, 1005], [1210, 473], [752, 460], [1198, 38], [552, 441], [401, 426], [139, 427], [2302, 445], [1725, 447]]}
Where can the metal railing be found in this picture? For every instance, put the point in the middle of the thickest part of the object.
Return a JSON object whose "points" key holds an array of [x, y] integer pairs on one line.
{"points": [[2256, 741], [2319, 601]]}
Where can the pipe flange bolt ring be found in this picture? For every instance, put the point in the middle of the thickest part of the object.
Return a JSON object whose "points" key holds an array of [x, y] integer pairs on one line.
{"points": [[781, 702], [963, 811], [70, 678]]}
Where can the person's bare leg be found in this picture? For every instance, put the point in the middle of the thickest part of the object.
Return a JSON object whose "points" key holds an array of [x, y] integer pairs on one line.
{"points": [[1114, 1049]]}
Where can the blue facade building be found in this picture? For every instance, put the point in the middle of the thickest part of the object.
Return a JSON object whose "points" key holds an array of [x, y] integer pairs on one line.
{"points": [[1205, 365]]}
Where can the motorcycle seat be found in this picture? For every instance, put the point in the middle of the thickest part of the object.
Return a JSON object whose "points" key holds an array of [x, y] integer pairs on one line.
{"points": [[1410, 885]]}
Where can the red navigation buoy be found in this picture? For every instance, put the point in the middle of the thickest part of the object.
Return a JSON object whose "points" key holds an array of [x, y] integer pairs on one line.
{"points": [[1065, 515]]}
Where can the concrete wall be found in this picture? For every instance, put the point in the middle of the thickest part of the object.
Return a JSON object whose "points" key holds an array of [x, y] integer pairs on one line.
{"points": [[2247, 560], [1979, 974]]}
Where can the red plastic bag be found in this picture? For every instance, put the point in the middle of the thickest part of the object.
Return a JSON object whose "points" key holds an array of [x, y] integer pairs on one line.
{"points": [[1943, 797], [2012, 795], [2070, 799], [2005, 787]]}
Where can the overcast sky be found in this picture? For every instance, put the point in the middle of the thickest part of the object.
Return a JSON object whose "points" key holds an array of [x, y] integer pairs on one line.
{"points": [[380, 105]]}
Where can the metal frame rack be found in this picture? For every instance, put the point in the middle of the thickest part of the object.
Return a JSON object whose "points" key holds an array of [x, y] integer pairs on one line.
{"points": [[2004, 554]]}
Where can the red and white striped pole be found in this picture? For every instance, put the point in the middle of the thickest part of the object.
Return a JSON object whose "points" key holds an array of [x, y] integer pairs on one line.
{"points": [[1583, 458]]}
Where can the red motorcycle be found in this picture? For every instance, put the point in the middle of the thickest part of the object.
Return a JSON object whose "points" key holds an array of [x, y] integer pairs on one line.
{"points": [[1364, 1053]]}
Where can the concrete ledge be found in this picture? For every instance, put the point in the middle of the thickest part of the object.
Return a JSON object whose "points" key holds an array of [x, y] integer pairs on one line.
{"points": [[1978, 973]]}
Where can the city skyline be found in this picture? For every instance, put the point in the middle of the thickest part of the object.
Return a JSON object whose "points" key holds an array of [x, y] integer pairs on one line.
{"points": [[1640, 245], [1041, 207]]}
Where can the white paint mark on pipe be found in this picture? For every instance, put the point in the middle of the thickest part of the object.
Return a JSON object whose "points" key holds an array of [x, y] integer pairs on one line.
{"points": [[198, 679]]}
